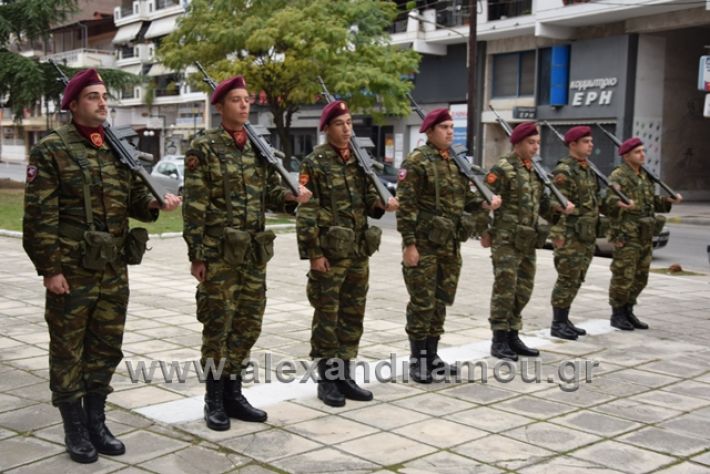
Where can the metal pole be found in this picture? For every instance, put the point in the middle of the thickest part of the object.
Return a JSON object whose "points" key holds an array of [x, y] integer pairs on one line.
{"points": [[471, 114]]}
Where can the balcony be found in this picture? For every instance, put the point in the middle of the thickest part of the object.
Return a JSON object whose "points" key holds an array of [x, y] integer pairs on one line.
{"points": [[504, 9], [82, 58], [129, 13], [132, 55]]}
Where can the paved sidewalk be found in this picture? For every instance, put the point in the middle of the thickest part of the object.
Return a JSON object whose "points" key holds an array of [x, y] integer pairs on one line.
{"points": [[647, 408]]}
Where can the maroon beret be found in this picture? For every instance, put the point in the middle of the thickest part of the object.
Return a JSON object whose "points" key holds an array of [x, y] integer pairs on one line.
{"points": [[236, 82], [87, 77], [575, 133], [629, 145], [523, 131], [332, 110], [433, 118]]}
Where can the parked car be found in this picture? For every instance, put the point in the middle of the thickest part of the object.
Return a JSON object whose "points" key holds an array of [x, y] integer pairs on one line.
{"points": [[170, 173], [604, 248], [388, 176]]}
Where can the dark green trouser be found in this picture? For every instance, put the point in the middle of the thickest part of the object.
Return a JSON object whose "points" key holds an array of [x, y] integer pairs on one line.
{"points": [[514, 273], [571, 262], [629, 273]]}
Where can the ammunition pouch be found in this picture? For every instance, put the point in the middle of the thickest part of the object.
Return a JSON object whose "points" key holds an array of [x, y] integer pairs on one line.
{"points": [[525, 238], [235, 245], [659, 224], [647, 227], [602, 227], [373, 237], [543, 231], [264, 246], [586, 229], [468, 227], [441, 230], [136, 245], [98, 249], [338, 242]]}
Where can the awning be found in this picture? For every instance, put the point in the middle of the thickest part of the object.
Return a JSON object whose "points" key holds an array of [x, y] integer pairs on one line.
{"points": [[159, 70], [161, 27], [127, 33], [135, 69]]}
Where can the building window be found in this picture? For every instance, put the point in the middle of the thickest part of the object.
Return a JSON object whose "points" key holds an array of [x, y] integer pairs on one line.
{"points": [[514, 74], [502, 9]]}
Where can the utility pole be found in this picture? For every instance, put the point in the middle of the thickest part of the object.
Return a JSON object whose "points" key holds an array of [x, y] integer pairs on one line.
{"points": [[471, 103]]}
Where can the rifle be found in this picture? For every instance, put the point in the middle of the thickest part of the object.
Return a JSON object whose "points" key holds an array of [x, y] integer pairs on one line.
{"points": [[594, 168], [539, 170], [262, 146], [459, 154], [650, 173], [126, 153], [363, 157]]}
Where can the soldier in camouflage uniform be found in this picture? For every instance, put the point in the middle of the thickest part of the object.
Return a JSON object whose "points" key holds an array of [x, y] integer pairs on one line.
{"points": [[516, 230], [334, 235], [631, 231], [433, 218], [228, 188], [78, 199], [574, 235]]}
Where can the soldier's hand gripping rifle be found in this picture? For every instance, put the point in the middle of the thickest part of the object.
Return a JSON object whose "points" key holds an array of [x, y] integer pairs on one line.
{"points": [[650, 173], [624, 198], [460, 159], [126, 154], [263, 148], [539, 170], [363, 157]]}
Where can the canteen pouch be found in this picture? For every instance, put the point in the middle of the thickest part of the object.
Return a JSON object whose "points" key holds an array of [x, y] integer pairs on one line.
{"points": [[525, 238], [373, 236], [441, 230], [647, 225], [136, 245], [586, 229], [235, 245], [659, 224], [543, 231], [602, 226], [338, 242], [97, 249], [264, 246], [468, 226]]}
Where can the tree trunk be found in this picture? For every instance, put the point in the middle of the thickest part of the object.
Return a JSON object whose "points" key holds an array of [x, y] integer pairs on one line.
{"points": [[282, 130]]}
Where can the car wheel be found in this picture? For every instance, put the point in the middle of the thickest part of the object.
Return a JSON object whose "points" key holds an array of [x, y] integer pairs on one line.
{"points": [[180, 191]]}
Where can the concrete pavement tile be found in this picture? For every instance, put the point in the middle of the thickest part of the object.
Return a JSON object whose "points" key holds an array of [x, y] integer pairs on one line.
{"points": [[316, 404], [237, 428], [703, 458], [676, 368], [150, 346], [637, 411], [21, 352], [567, 465], [489, 419], [132, 470], [166, 333], [142, 397], [535, 407], [689, 425], [597, 423], [440, 433], [433, 404], [582, 397], [690, 388], [31, 363], [504, 452], [446, 463], [24, 450], [287, 413], [126, 417], [620, 356], [480, 393], [643, 377], [685, 468], [331, 429], [143, 445], [270, 445], [63, 463], [615, 387], [671, 400], [576, 348], [195, 460], [30, 418], [9, 402], [552, 437], [386, 448], [4, 434], [385, 416], [256, 469], [665, 441], [326, 460], [12, 379], [386, 392], [622, 456]]}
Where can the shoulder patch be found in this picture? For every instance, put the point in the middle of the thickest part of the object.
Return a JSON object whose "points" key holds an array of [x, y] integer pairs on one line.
{"points": [[560, 178], [491, 178], [32, 173], [303, 178]]}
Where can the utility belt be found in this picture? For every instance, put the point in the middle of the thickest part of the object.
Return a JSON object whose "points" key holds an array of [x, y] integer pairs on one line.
{"points": [[586, 228], [441, 231], [523, 238], [650, 226], [342, 242], [99, 248], [236, 245]]}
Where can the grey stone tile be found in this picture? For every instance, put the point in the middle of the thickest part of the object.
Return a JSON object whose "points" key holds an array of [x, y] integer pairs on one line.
{"points": [[671, 400], [689, 425], [643, 377], [195, 460], [13, 378], [393, 391], [552, 437], [30, 418], [385, 416], [665, 441], [489, 419], [690, 388], [446, 463], [637, 411], [287, 413], [615, 387], [199, 428], [325, 460], [23, 450], [38, 392], [567, 465], [9, 402], [622, 456], [433, 404], [583, 397], [255, 469], [504, 452], [703, 459], [597, 423], [270, 445], [676, 368], [685, 468], [386, 448], [535, 407], [331, 429], [61, 463], [143, 445], [480, 393], [440, 433]]}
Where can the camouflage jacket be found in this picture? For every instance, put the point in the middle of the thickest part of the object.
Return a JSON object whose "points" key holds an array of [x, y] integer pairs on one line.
{"points": [[54, 198], [624, 223], [253, 186], [338, 187], [416, 192], [523, 195], [579, 184]]}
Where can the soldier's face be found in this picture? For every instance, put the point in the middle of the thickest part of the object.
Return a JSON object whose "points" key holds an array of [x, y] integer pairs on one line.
{"points": [[527, 148], [441, 135], [91, 108], [582, 148], [235, 108], [636, 157], [339, 130]]}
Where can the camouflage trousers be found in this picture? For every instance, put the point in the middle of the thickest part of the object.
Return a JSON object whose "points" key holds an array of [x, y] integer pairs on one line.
{"points": [[230, 306], [514, 273], [86, 332], [629, 273], [431, 286], [571, 262], [338, 297]]}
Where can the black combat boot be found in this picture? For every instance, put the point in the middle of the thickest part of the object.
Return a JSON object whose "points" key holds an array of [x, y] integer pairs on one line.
{"points": [[435, 362], [619, 319], [348, 387], [236, 405], [635, 322], [419, 369], [328, 390], [500, 347], [578, 330], [215, 416], [101, 437], [561, 325], [76, 436], [519, 347]]}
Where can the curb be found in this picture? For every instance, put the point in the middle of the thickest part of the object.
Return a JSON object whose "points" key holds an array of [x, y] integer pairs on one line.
{"points": [[692, 220]]}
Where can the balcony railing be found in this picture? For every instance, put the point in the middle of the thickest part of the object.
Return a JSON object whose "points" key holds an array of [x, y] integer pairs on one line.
{"points": [[502, 9], [167, 92], [161, 4]]}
